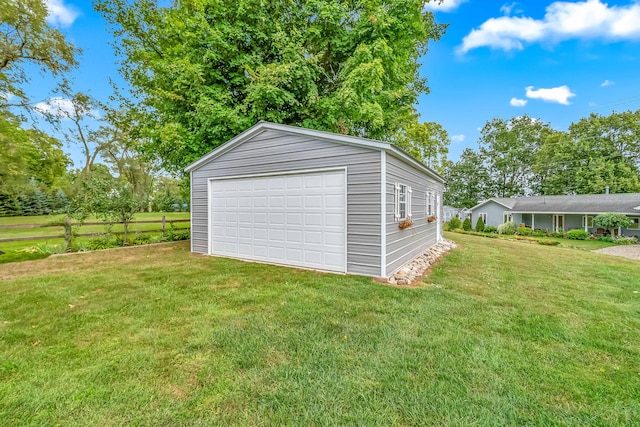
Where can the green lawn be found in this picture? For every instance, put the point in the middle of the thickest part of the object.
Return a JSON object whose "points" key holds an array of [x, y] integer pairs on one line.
{"points": [[501, 333], [58, 231]]}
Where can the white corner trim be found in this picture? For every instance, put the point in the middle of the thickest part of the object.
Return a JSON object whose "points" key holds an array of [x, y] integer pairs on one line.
{"points": [[383, 213], [191, 211]]}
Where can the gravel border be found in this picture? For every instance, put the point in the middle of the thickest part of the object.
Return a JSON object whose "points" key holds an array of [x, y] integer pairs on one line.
{"points": [[415, 269]]}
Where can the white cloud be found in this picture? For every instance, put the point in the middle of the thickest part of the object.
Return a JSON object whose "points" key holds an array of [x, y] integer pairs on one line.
{"points": [[61, 14], [592, 104], [515, 102], [607, 83], [507, 8], [589, 19], [457, 138], [57, 107], [560, 94], [444, 5]]}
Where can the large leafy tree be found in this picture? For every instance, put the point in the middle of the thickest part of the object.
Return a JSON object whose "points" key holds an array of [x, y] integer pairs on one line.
{"points": [[468, 180], [597, 152], [201, 71], [26, 39], [509, 148], [428, 142]]}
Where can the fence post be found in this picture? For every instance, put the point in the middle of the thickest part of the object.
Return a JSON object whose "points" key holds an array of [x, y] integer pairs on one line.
{"points": [[164, 218], [67, 233]]}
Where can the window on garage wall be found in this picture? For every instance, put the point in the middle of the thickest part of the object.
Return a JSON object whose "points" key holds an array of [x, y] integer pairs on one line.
{"points": [[402, 202]]}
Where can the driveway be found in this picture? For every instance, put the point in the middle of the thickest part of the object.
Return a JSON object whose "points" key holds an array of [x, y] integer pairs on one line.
{"points": [[627, 251]]}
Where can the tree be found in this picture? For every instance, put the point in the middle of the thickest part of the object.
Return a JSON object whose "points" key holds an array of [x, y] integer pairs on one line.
{"points": [[27, 41], [32, 163], [467, 180], [203, 71], [597, 152], [428, 142], [114, 201], [611, 221], [508, 148], [480, 224]]}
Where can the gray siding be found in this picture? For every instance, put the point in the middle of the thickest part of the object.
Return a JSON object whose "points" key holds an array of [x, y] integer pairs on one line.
{"points": [[404, 245], [274, 151], [495, 214]]}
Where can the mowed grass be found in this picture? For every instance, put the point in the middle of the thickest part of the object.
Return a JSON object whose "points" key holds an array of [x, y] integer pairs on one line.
{"points": [[500, 333]]}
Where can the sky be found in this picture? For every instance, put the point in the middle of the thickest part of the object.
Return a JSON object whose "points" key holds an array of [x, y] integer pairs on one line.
{"points": [[557, 61]]}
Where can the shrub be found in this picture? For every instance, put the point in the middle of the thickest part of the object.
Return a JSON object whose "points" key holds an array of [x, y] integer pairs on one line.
{"points": [[605, 239], [455, 223], [524, 231], [577, 234], [538, 233], [99, 243], [611, 221], [45, 248], [548, 242], [624, 240], [480, 225], [142, 239], [508, 227], [556, 234], [490, 229], [466, 225]]}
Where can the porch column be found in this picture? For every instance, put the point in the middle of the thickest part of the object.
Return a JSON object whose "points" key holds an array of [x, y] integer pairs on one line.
{"points": [[619, 231], [586, 223], [533, 221]]}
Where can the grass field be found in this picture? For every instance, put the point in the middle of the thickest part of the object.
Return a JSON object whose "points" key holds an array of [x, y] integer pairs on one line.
{"points": [[500, 333], [58, 231]]}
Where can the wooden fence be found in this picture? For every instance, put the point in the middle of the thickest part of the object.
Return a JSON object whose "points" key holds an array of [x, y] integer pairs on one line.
{"points": [[162, 230]]}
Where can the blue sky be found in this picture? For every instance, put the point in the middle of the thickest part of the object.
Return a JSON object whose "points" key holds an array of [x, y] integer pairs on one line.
{"points": [[557, 61]]}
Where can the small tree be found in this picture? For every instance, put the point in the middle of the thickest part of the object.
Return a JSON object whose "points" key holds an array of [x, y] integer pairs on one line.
{"points": [[113, 201], [480, 225], [466, 225], [611, 221], [455, 223]]}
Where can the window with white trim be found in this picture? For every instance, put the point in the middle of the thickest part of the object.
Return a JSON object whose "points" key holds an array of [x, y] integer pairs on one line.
{"points": [[589, 221], [402, 202], [635, 224], [507, 216], [430, 204], [483, 216]]}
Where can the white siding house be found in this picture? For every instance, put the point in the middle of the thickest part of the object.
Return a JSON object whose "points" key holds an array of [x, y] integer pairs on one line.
{"points": [[299, 197]]}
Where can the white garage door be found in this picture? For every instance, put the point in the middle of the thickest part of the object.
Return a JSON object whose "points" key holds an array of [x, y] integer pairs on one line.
{"points": [[295, 219]]}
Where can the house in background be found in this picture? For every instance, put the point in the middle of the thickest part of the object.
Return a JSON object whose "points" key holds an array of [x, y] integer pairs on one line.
{"points": [[450, 212], [560, 213], [299, 197]]}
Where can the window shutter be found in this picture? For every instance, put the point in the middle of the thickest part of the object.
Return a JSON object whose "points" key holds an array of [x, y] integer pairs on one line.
{"points": [[408, 202], [396, 208]]}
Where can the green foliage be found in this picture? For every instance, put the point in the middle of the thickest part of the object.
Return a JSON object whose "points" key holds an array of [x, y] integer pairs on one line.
{"points": [[204, 71], [538, 233], [604, 239], [455, 223], [112, 201], [21, 255], [556, 234], [466, 224], [508, 227], [466, 180], [174, 234], [490, 229], [548, 242], [524, 231], [625, 240], [480, 224], [578, 234], [29, 43], [611, 221], [428, 142]]}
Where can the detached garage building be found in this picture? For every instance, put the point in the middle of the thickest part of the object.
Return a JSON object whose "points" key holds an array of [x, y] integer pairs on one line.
{"points": [[293, 196]]}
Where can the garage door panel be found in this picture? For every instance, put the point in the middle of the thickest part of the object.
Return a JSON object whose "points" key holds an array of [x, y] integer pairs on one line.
{"points": [[291, 219]]}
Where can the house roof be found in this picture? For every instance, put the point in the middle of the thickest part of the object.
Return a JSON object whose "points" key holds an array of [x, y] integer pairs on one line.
{"points": [[327, 136], [579, 203]]}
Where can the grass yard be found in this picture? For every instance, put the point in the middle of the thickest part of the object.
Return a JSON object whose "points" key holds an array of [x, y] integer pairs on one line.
{"points": [[501, 333], [58, 231]]}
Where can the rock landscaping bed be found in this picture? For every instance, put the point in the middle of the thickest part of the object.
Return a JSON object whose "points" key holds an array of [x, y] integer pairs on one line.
{"points": [[416, 268]]}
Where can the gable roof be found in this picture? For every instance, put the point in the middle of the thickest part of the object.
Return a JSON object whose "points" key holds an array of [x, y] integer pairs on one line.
{"points": [[626, 203], [327, 136]]}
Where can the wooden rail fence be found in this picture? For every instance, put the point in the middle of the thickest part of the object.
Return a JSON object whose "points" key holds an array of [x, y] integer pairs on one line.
{"points": [[162, 230]]}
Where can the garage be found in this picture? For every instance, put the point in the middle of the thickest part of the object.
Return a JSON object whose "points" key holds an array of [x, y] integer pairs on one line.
{"points": [[296, 218]]}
